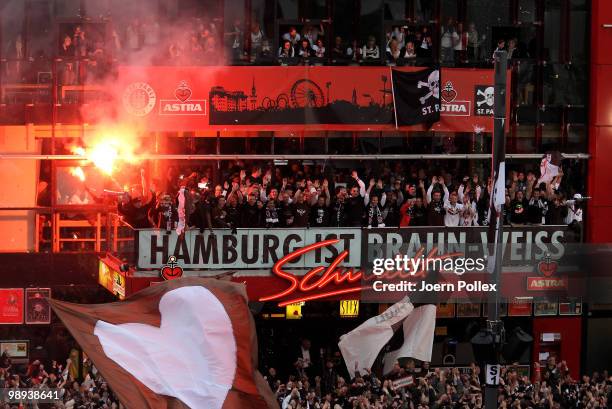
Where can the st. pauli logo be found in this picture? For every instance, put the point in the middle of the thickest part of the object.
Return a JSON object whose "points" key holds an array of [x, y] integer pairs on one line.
{"points": [[171, 270]]}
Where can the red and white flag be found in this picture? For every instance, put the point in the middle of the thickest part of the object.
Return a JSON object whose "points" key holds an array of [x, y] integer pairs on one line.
{"points": [[549, 166], [185, 343], [419, 328], [361, 346]]}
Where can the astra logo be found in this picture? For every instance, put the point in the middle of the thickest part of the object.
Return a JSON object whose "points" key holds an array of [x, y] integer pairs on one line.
{"points": [[197, 107], [450, 105], [183, 104]]}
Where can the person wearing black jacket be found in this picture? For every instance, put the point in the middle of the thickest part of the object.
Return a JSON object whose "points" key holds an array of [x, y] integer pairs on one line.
{"points": [[557, 212], [301, 211], [165, 214], [392, 214], [272, 217], [537, 208], [518, 209], [134, 212], [355, 205], [320, 213], [435, 210], [233, 210], [201, 217], [219, 214], [250, 214]]}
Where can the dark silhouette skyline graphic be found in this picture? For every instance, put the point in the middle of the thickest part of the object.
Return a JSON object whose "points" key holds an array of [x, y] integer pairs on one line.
{"points": [[306, 102]]}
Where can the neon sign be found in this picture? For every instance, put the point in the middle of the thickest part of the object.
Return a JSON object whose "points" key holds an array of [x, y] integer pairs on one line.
{"points": [[318, 280]]}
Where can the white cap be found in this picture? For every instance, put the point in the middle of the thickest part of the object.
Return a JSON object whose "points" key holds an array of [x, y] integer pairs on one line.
{"points": [[577, 196]]}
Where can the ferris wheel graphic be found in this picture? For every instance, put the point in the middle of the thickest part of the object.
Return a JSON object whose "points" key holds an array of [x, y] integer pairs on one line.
{"points": [[304, 94]]}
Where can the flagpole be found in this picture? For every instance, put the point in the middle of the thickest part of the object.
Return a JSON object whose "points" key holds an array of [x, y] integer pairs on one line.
{"points": [[495, 233], [393, 95]]}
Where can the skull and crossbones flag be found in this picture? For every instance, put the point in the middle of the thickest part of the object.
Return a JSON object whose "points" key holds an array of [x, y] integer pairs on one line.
{"points": [[184, 343], [416, 96]]}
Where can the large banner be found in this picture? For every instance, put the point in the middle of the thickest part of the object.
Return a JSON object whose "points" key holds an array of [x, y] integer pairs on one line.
{"points": [[262, 248], [247, 249], [293, 98]]}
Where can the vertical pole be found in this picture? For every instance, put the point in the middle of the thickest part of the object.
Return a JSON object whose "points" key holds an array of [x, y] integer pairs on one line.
{"points": [[495, 233]]}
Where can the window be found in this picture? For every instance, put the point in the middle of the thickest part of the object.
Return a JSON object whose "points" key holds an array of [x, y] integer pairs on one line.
{"points": [[579, 26], [552, 29], [395, 10], [370, 23]]}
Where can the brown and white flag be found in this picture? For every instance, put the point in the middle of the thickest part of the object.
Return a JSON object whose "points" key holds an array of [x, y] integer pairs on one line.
{"points": [[185, 343]]}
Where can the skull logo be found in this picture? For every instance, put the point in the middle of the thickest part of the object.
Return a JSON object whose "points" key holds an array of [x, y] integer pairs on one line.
{"points": [[433, 83], [487, 95]]}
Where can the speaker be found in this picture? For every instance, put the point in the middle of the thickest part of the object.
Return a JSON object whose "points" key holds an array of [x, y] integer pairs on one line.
{"points": [[516, 345], [482, 345]]}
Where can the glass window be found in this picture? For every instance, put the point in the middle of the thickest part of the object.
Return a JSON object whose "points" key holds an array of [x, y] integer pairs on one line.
{"points": [[232, 145], [11, 18], [579, 26], [315, 9], [40, 27], [527, 11], [286, 144], [314, 145], [395, 9], [525, 139], [370, 23], [492, 21], [552, 28], [343, 20], [340, 143], [576, 138], [287, 9], [68, 8], [99, 9]]}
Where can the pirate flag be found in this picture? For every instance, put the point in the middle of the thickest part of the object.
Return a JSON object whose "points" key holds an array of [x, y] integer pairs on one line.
{"points": [[416, 96], [184, 343]]}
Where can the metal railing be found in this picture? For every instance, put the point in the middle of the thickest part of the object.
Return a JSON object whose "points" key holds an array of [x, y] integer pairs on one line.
{"points": [[82, 228]]}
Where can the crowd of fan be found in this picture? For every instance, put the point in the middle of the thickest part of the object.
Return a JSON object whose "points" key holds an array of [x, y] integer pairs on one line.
{"points": [[303, 196], [92, 392], [312, 387], [550, 387], [89, 53]]}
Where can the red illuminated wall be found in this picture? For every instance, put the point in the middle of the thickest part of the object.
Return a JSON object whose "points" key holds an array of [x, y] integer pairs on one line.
{"points": [[571, 336], [600, 125]]}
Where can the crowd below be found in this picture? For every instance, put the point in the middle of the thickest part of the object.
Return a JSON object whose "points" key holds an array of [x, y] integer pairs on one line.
{"points": [[324, 384], [304, 196]]}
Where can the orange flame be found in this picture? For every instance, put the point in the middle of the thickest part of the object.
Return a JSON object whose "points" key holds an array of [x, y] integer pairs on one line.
{"points": [[77, 172], [107, 148]]}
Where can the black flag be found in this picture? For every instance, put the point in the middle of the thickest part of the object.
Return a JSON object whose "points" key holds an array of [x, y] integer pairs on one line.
{"points": [[416, 96]]}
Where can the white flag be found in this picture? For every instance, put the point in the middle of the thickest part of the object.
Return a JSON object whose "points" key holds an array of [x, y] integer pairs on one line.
{"points": [[419, 330], [361, 346], [499, 195]]}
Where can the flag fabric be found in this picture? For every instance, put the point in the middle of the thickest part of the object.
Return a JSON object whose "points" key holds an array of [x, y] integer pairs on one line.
{"points": [[361, 346], [184, 343], [549, 166], [499, 191], [416, 96], [418, 329]]}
